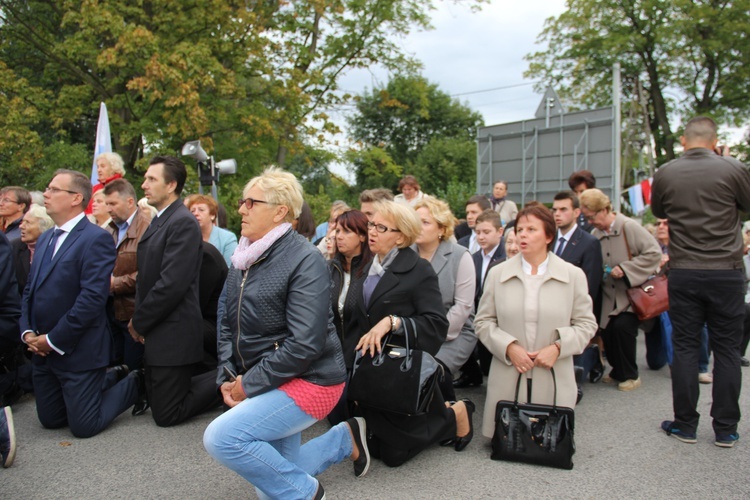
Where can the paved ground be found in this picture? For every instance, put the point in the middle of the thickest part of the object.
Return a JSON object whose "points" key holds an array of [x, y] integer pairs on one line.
{"points": [[620, 453]]}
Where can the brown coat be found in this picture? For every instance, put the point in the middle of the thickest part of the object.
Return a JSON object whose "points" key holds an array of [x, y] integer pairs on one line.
{"points": [[565, 314], [126, 265], [644, 261]]}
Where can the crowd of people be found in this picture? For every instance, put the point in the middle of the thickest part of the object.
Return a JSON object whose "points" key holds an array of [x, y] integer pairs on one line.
{"points": [[162, 309]]}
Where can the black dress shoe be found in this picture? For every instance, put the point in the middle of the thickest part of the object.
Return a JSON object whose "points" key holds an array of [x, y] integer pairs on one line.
{"points": [[579, 382], [744, 361], [466, 380], [120, 371], [463, 441], [141, 402], [596, 373]]}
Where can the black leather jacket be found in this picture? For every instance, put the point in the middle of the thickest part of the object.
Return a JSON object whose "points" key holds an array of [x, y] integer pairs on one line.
{"points": [[346, 326], [275, 320]]}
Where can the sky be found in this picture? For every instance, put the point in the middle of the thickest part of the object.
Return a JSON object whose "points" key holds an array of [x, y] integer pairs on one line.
{"points": [[470, 52]]}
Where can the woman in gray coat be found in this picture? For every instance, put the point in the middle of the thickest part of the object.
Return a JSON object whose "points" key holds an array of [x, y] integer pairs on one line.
{"points": [[630, 256], [455, 271], [535, 314]]}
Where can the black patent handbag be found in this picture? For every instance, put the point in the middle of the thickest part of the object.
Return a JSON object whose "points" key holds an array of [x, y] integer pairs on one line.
{"points": [[397, 379], [534, 433]]}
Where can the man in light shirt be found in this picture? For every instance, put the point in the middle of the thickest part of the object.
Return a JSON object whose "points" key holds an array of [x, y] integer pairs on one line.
{"points": [[474, 207]]}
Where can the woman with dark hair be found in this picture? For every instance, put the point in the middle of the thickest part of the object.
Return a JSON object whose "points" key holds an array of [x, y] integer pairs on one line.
{"points": [[305, 224], [352, 255], [535, 313]]}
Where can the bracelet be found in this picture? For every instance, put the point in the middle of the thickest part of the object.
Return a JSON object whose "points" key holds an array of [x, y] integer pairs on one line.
{"points": [[393, 323]]}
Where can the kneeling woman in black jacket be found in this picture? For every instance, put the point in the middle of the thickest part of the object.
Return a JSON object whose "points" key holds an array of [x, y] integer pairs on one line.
{"points": [[400, 285], [281, 367]]}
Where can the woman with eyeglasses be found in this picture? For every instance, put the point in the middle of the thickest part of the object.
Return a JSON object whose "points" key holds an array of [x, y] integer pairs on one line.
{"points": [[400, 285], [350, 259], [631, 255], [280, 364]]}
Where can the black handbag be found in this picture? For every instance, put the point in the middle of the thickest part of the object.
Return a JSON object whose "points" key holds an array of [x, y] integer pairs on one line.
{"points": [[397, 379], [534, 433]]}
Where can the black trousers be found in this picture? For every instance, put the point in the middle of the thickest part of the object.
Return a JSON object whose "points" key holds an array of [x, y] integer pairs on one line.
{"points": [[717, 299], [176, 395], [620, 345]]}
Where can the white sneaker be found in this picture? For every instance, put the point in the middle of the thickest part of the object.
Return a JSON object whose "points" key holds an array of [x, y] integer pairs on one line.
{"points": [[705, 378]]}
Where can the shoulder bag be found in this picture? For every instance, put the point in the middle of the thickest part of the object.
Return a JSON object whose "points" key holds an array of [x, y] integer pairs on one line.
{"points": [[534, 433], [397, 379], [650, 298]]}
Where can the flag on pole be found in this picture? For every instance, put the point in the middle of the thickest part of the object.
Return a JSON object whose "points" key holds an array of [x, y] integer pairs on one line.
{"points": [[103, 141]]}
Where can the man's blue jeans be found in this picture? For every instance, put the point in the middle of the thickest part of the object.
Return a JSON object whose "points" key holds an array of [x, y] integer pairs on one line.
{"points": [[260, 440]]}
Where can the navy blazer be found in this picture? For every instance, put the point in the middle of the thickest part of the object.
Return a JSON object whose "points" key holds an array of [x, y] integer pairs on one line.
{"points": [[68, 301], [497, 257], [584, 251]]}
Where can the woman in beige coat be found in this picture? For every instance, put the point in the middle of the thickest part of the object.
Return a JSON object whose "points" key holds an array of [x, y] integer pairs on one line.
{"points": [[630, 256], [535, 314]]}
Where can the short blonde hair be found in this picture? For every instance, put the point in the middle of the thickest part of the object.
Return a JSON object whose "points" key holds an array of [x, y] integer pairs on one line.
{"points": [[40, 214], [441, 212], [404, 218], [280, 188], [593, 199], [115, 162]]}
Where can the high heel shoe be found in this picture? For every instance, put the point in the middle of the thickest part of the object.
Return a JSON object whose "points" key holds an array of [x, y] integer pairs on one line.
{"points": [[463, 441]]}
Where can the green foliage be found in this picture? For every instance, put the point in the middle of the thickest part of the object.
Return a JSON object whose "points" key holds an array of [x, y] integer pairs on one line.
{"points": [[410, 126], [692, 57], [456, 193], [250, 79]]}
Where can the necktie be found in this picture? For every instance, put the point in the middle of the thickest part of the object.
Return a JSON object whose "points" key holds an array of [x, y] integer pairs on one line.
{"points": [[49, 251], [560, 246]]}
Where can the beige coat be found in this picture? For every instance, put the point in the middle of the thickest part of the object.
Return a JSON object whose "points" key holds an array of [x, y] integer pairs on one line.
{"points": [[565, 314], [646, 257]]}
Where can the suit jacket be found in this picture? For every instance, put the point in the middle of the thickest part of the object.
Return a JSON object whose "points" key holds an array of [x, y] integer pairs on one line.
{"points": [[409, 288], [10, 300], [22, 263], [167, 308], [566, 316], [584, 251], [67, 301], [497, 257]]}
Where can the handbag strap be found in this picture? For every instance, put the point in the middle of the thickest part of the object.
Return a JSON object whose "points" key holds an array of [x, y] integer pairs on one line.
{"points": [[627, 246], [554, 382]]}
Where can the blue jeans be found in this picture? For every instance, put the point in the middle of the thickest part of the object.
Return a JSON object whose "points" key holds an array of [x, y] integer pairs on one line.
{"points": [[260, 439]]}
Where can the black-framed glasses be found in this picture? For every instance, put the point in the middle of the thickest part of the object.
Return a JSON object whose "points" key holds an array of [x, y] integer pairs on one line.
{"points": [[249, 202], [380, 227], [8, 200], [53, 190]]}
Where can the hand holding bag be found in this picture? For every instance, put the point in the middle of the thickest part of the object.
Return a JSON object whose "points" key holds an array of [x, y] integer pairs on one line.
{"points": [[534, 433], [397, 379]]}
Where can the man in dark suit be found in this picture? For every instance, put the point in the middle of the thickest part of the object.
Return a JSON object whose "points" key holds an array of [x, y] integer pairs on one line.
{"points": [[579, 181], [489, 233], [474, 207], [578, 247], [63, 316], [167, 318]]}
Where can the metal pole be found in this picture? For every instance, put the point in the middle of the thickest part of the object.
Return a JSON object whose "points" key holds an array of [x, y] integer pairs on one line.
{"points": [[616, 187]]}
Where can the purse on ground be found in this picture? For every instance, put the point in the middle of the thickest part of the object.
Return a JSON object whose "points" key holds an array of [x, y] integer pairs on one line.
{"points": [[398, 379], [534, 433]]}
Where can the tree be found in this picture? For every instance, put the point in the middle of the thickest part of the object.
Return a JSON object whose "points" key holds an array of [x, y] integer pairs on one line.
{"points": [[410, 126], [251, 77], [698, 49]]}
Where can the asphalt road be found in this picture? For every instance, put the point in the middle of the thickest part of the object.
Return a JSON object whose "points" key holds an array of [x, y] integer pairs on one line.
{"points": [[621, 453]]}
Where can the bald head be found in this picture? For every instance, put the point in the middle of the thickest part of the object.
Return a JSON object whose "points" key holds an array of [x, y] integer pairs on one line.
{"points": [[700, 132]]}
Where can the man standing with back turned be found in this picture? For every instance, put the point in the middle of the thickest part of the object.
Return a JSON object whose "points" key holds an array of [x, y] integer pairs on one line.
{"points": [[700, 194], [167, 318]]}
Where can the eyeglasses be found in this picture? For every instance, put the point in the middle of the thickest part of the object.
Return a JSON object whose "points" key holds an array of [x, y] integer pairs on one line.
{"points": [[53, 190], [380, 227], [590, 218], [249, 202], [8, 200]]}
